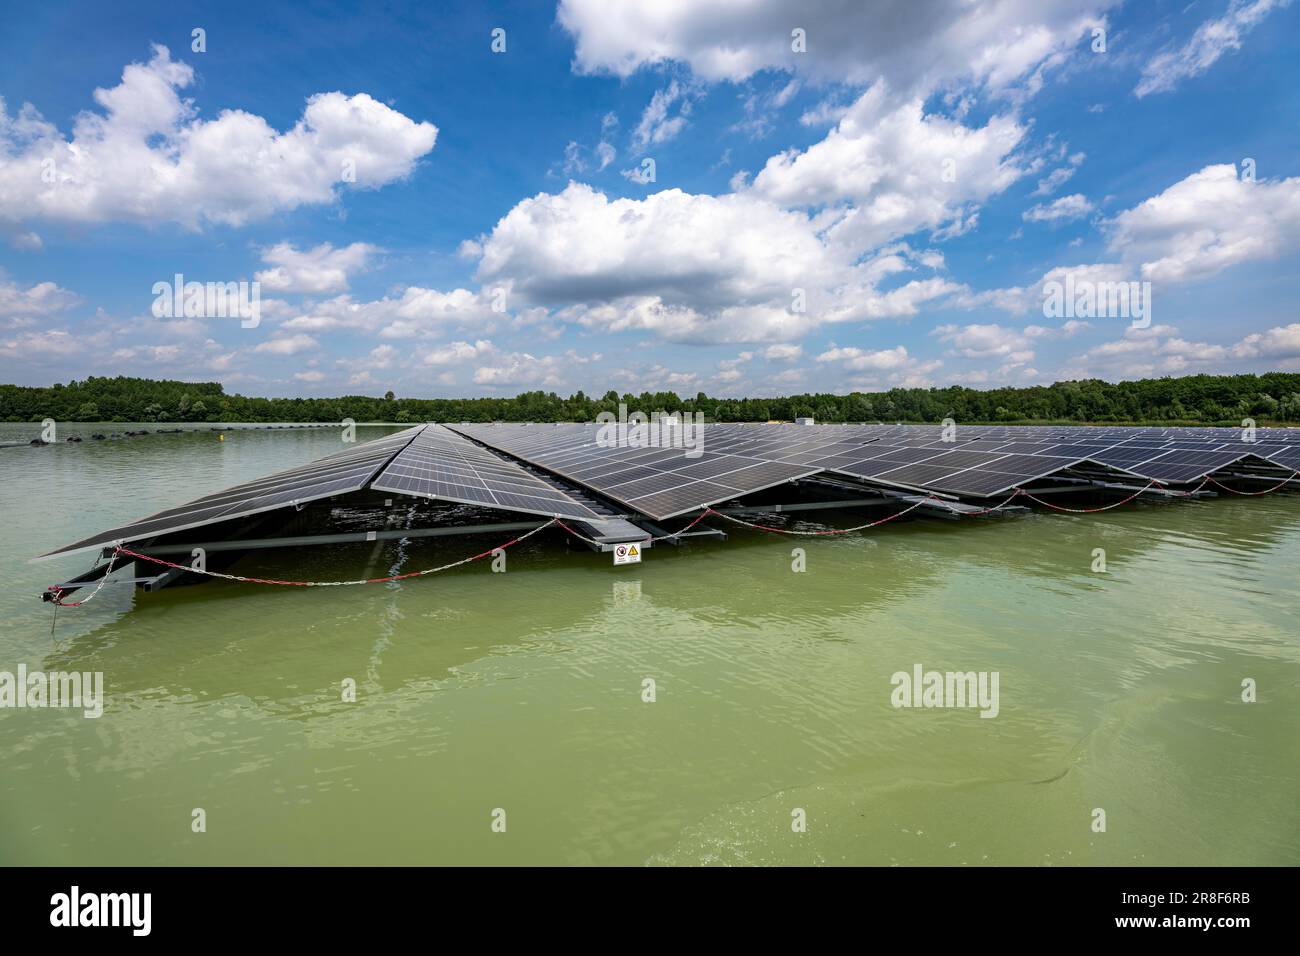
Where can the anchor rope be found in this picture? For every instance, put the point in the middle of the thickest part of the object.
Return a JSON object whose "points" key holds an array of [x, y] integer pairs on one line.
{"points": [[828, 531], [120, 550], [58, 591], [1089, 511], [1251, 494]]}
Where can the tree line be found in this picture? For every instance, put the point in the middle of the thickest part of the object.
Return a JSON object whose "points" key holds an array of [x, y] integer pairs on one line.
{"points": [[1194, 400]]}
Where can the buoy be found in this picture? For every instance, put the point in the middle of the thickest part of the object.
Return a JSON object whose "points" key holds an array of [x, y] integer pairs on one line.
{"points": [[221, 438]]}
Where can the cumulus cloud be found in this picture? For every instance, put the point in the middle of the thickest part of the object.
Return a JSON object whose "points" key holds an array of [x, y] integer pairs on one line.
{"points": [[287, 344], [782, 353], [1212, 39], [314, 271], [40, 300], [901, 169], [1207, 222], [731, 268], [517, 369], [146, 156], [913, 46], [982, 341], [1161, 350], [416, 312], [858, 359], [455, 353]]}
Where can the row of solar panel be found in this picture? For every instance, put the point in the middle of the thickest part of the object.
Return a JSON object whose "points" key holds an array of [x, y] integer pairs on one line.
{"points": [[441, 464], [663, 482], [1164, 460], [657, 482]]}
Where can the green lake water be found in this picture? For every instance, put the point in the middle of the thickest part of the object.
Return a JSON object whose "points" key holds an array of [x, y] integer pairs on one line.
{"points": [[523, 691]]}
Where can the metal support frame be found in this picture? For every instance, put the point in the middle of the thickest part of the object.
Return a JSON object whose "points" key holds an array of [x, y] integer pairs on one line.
{"points": [[1083, 484], [149, 582], [676, 539], [350, 537]]}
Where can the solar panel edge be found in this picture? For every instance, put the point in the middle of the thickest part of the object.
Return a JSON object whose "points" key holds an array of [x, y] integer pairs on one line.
{"points": [[104, 538]]}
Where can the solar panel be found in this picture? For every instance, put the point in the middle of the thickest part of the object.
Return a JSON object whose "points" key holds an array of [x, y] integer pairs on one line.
{"points": [[444, 465], [339, 473], [660, 483], [737, 459]]}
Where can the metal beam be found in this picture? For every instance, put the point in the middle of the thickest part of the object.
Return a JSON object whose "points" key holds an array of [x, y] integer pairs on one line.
{"points": [[250, 544], [675, 539], [94, 574], [804, 506], [1087, 485]]}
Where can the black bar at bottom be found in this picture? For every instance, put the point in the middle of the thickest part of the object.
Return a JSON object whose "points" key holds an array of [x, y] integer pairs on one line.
{"points": [[969, 909]]}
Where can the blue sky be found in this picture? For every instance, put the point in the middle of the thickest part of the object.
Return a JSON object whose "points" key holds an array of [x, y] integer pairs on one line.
{"points": [[881, 207]]}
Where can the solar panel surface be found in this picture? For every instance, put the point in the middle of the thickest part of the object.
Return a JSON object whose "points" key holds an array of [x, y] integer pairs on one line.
{"points": [[660, 483], [442, 464], [340, 473]]}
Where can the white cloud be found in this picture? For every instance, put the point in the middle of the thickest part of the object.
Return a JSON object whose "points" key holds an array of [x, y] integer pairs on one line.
{"points": [[26, 242], [693, 268], [858, 359], [987, 341], [1207, 222], [148, 157], [1057, 177], [1282, 342], [1212, 39], [415, 313], [605, 154], [657, 126], [1064, 209], [457, 352], [42, 299], [521, 368], [287, 344], [314, 271], [782, 353], [917, 45], [761, 109], [1160, 350], [903, 170]]}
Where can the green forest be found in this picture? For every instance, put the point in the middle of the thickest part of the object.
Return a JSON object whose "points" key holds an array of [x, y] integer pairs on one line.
{"points": [[1193, 400]]}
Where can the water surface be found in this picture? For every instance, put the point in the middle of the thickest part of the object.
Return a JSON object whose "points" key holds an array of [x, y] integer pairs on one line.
{"points": [[522, 690]]}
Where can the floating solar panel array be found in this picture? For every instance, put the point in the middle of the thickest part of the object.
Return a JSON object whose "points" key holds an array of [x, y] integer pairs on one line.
{"points": [[441, 464], [340, 473], [976, 461], [528, 468], [657, 482]]}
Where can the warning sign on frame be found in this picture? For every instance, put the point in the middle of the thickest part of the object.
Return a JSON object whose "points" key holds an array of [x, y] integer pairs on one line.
{"points": [[627, 554]]}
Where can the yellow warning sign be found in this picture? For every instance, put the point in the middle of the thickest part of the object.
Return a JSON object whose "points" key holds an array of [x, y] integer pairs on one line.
{"points": [[627, 554]]}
